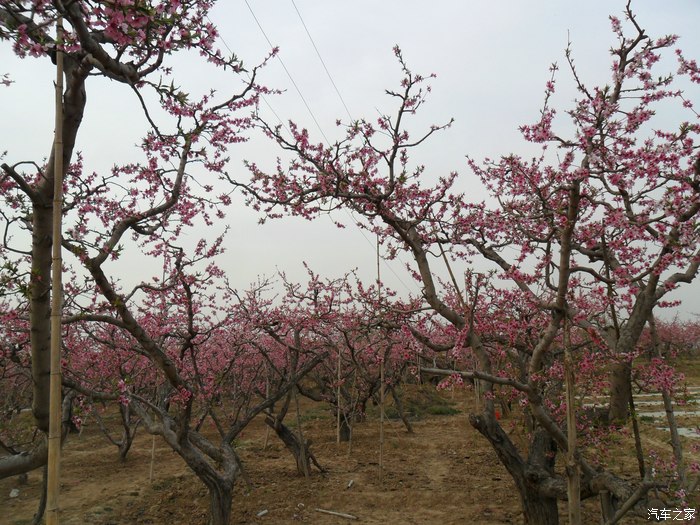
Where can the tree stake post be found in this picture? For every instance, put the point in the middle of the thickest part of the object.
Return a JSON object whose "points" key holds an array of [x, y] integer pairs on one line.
{"points": [[381, 382], [153, 459], [337, 403], [573, 473], [54, 439]]}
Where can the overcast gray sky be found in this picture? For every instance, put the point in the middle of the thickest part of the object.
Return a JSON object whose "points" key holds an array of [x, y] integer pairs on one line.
{"points": [[491, 59]]}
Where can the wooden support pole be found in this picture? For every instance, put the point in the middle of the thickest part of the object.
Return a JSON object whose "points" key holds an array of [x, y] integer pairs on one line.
{"points": [[573, 473], [153, 459], [339, 514], [418, 366], [381, 380], [337, 403], [381, 421], [54, 439], [352, 412]]}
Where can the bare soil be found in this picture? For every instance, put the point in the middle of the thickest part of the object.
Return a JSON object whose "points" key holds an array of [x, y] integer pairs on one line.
{"points": [[443, 473]]}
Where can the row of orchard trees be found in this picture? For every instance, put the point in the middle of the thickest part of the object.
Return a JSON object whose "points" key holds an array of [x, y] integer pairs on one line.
{"points": [[164, 348], [590, 237], [599, 231]]}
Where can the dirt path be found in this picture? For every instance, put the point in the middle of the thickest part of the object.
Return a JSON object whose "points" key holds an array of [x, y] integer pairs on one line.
{"points": [[443, 473]]}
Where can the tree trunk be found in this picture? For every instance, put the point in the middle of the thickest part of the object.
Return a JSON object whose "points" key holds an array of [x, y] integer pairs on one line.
{"points": [[538, 508], [219, 481], [400, 410], [220, 501], [676, 444], [620, 392], [40, 308], [128, 433], [16, 464], [302, 455], [40, 278], [124, 447], [538, 511], [637, 438], [42, 225], [345, 429]]}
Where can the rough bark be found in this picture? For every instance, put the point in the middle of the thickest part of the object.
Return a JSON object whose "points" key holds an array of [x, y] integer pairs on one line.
{"points": [[539, 506], [302, 454], [41, 196], [220, 489], [639, 451], [17, 464], [220, 501], [216, 467], [42, 223], [620, 391], [345, 428], [400, 410], [128, 432]]}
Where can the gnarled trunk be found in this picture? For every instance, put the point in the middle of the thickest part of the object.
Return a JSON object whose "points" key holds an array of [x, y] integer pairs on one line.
{"points": [[220, 501], [40, 277], [128, 432], [400, 410], [42, 225], [302, 454], [41, 508], [538, 508], [620, 391], [219, 481], [345, 428]]}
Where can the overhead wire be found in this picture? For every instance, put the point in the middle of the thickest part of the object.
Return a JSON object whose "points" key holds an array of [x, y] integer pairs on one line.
{"points": [[311, 113], [342, 101], [263, 98], [291, 78], [323, 63]]}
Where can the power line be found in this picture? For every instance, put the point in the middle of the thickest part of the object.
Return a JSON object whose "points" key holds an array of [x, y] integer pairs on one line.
{"points": [[269, 106], [349, 214], [342, 101], [384, 259], [308, 108], [318, 54]]}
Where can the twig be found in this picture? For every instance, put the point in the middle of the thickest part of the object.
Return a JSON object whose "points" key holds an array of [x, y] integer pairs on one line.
{"points": [[339, 514]]}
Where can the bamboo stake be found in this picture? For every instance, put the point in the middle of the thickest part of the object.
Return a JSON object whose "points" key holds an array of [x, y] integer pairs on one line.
{"points": [[54, 439], [352, 412], [420, 380], [381, 383], [573, 473], [339, 514], [337, 403], [348, 420], [381, 422], [477, 392], [153, 459], [267, 396]]}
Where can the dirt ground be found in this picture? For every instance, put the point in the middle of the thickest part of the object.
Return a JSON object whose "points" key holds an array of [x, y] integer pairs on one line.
{"points": [[443, 473]]}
